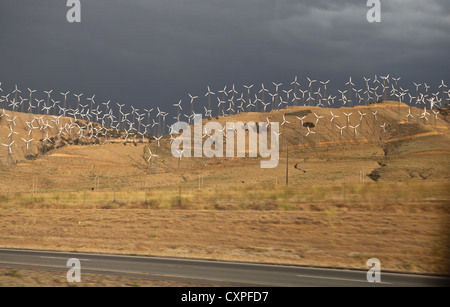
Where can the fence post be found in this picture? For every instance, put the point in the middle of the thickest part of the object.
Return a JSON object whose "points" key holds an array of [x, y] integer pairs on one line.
{"points": [[216, 193], [343, 191], [396, 192]]}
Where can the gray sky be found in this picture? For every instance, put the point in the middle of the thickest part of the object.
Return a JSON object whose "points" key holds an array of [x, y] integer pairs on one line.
{"points": [[155, 52]]}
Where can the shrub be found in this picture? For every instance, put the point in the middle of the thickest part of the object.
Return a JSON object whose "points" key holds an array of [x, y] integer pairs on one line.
{"points": [[374, 175], [309, 124], [300, 113]]}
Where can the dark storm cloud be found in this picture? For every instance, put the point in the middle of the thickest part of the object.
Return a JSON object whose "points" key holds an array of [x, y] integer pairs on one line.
{"points": [[156, 52]]}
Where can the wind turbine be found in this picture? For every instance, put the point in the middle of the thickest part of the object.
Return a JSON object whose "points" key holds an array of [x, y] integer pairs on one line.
{"points": [[277, 85], [383, 126], [443, 101], [13, 120], [310, 88], [350, 84], [385, 81], [157, 139], [78, 99], [348, 118], [209, 93], [231, 100], [295, 99], [220, 102], [284, 121], [48, 98], [224, 93], [158, 115], [164, 123], [55, 103], [309, 132], [435, 113], [317, 126], [296, 84], [424, 115], [375, 80], [240, 108], [273, 99], [396, 81], [375, 119], [151, 155], [361, 115], [179, 108], [442, 86], [9, 147], [417, 85], [354, 131], [341, 131], [324, 88], [180, 153], [134, 113], [331, 120], [148, 115], [287, 96], [30, 99], [303, 96], [282, 102], [248, 87], [358, 95], [301, 125], [367, 92], [11, 133], [265, 106], [427, 87], [27, 144], [120, 122], [277, 135], [65, 98], [409, 115], [9, 158], [107, 109], [22, 103], [5, 100], [91, 99], [262, 90], [15, 92], [343, 98], [3, 114]]}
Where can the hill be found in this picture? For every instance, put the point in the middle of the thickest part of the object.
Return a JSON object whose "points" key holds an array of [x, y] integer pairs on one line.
{"points": [[401, 150]]}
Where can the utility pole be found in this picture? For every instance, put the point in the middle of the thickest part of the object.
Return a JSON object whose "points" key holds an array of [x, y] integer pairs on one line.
{"points": [[287, 165]]}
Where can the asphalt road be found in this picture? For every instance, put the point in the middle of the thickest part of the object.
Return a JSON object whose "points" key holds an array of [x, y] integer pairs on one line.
{"points": [[209, 272]]}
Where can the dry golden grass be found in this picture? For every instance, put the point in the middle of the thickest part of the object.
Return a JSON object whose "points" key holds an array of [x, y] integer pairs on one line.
{"points": [[12, 277], [404, 237]]}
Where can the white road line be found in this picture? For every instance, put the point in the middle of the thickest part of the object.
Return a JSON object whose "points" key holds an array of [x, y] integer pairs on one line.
{"points": [[48, 257], [343, 279]]}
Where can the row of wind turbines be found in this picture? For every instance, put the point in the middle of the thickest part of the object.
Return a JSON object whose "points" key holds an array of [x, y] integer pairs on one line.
{"points": [[89, 121]]}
